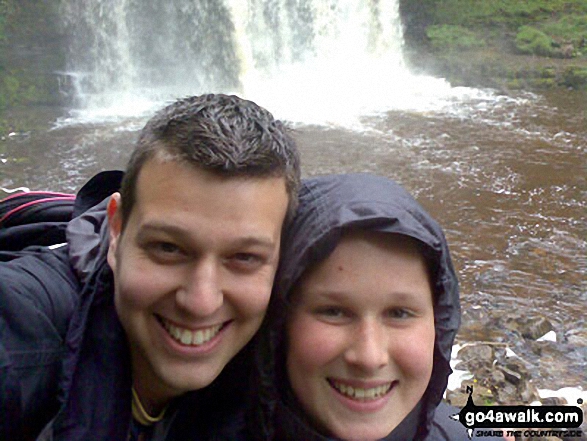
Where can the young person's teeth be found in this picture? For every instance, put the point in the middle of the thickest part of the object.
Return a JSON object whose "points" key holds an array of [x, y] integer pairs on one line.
{"points": [[200, 337], [187, 337], [361, 394]]}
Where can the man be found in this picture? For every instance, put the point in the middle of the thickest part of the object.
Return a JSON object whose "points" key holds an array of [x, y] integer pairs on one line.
{"points": [[152, 305]]}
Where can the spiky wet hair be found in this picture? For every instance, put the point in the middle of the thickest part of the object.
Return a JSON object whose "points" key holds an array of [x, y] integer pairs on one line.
{"points": [[219, 133]]}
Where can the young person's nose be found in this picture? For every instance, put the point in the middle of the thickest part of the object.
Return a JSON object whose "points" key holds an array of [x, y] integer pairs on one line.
{"points": [[200, 293], [368, 350]]}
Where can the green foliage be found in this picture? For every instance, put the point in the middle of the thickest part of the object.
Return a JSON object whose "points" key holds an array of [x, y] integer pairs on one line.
{"points": [[532, 41], [509, 13], [452, 38], [570, 30], [17, 89], [575, 77]]}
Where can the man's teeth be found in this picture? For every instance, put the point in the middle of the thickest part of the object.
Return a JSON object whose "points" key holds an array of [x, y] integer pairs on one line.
{"points": [[361, 394], [187, 337]]}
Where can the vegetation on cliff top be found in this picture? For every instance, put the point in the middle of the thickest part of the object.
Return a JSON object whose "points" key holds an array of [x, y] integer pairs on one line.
{"points": [[510, 43]]}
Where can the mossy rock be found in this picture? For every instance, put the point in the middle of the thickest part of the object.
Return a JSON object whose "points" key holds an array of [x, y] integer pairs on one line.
{"points": [[452, 38], [548, 72], [575, 77], [543, 83], [532, 41], [570, 34]]}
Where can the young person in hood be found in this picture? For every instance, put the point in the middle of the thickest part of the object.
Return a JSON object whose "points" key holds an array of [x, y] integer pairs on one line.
{"points": [[364, 313], [122, 334]]}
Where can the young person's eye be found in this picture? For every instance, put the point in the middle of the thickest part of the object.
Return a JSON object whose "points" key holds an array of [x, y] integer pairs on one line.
{"points": [[331, 312], [246, 257], [399, 313]]}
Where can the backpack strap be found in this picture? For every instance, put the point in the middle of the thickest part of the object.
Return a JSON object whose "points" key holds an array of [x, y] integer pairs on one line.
{"points": [[33, 218], [39, 218], [25, 208]]}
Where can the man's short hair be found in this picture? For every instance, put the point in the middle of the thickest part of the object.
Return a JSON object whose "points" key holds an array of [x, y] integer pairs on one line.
{"points": [[222, 134]]}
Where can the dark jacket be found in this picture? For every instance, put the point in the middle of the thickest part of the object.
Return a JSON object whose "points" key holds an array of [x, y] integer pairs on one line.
{"points": [[328, 206], [64, 360]]}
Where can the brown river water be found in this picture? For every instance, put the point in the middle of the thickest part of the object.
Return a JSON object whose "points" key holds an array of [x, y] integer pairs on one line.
{"points": [[507, 181]]}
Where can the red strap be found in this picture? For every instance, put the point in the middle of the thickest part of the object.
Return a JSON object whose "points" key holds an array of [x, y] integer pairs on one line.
{"points": [[64, 197]]}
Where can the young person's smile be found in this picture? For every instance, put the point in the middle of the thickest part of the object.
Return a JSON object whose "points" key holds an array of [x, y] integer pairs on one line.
{"points": [[361, 336], [193, 268]]}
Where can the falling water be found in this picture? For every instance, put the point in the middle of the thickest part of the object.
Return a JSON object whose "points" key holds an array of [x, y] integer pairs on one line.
{"points": [[308, 60]]}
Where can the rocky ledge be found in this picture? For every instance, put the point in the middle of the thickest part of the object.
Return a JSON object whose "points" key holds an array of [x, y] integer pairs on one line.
{"points": [[517, 360]]}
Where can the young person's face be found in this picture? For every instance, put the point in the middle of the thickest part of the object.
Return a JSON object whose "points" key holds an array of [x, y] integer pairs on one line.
{"points": [[361, 336], [193, 272]]}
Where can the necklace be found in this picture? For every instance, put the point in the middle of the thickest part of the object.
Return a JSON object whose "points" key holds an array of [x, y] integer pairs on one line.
{"points": [[140, 414]]}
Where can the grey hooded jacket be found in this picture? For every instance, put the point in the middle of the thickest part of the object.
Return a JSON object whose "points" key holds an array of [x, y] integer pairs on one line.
{"points": [[328, 206]]}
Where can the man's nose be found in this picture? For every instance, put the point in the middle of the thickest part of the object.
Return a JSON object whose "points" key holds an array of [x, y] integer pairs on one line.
{"points": [[369, 347], [200, 293]]}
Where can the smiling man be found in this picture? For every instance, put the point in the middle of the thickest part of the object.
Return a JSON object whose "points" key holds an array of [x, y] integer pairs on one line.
{"points": [[122, 333], [193, 272]]}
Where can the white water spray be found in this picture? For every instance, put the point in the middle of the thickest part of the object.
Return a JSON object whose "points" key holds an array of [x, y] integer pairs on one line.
{"points": [[312, 61]]}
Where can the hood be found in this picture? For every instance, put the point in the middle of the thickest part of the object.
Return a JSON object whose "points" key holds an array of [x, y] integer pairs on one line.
{"points": [[328, 206], [87, 232]]}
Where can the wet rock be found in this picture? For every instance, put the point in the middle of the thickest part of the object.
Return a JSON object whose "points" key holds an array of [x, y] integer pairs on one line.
{"points": [[476, 356], [553, 401], [497, 378], [577, 337], [507, 394], [512, 375], [532, 327], [546, 349], [482, 331]]}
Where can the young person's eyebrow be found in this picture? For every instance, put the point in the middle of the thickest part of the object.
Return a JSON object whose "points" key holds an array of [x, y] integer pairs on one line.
{"points": [[341, 295]]}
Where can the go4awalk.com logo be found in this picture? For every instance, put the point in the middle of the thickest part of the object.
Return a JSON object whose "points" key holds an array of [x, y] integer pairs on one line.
{"points": [[561, 421]]}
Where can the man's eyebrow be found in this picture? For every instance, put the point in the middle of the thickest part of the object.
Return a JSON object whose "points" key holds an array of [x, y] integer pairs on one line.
{"points": [[176, 231]]}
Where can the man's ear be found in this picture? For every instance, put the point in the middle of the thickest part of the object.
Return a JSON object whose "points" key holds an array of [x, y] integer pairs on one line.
{"points": [[115, 227]]}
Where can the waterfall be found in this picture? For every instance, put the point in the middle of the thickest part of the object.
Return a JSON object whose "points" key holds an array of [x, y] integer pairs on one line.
{"points": [[126, 55], [306, 60]]}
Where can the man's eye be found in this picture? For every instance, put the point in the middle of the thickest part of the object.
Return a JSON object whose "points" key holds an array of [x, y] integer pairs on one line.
{"points": [[166, 247], [164, 251]]}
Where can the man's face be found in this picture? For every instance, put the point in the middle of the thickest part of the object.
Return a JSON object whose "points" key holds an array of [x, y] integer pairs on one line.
{"points": [[361, 337], [193, 272]]}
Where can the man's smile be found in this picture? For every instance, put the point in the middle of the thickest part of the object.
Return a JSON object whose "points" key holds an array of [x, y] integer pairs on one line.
{"points": [[190, 337]]}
